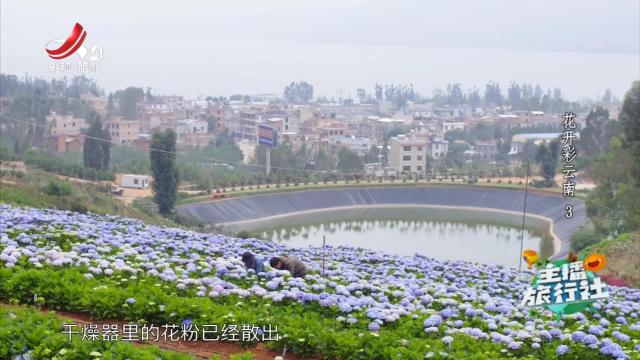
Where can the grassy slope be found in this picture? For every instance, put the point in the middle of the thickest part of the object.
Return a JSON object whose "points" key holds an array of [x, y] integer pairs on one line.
{"points": [[623, 255], [27, 191]]}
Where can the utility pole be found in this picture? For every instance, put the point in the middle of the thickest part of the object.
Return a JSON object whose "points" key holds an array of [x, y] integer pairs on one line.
{"points": [[524, 213], [268, 162], [324, 242]]}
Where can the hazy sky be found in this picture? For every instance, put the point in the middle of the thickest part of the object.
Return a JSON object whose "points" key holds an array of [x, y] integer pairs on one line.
{"points": [[253, 46]]}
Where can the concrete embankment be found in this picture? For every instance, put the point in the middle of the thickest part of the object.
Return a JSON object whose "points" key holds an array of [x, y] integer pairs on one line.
{"points": [[539, 205]]}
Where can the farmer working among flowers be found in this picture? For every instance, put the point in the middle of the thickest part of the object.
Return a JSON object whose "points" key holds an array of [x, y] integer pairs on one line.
{"points": [[255, 262], [295, 266]]}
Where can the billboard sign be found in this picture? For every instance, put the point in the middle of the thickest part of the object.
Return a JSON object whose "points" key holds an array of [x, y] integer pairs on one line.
{"points": [[267, 135]]}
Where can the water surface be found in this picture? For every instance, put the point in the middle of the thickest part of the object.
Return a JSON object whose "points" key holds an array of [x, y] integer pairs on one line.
{"points": [[451, 234]]}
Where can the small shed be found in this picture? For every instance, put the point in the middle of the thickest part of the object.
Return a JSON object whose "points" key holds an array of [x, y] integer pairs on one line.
{"points": [[135, 181]]}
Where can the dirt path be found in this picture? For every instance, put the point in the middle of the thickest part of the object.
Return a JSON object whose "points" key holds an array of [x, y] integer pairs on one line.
{"points": [[198, 349]]}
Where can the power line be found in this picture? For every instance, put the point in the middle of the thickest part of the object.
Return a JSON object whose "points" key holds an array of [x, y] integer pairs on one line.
{"points": [[168, 152], [524, 213], [214, 160]]}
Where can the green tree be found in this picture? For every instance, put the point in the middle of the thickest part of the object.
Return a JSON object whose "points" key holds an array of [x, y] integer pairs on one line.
{"points": [[474, 98], [630, 121], [547, 157], [211, 124], [454, 94], [299, 93], [165, 173], [349, 161], [515, 95], [96, 152], [56, 187], [129, 99], [529, 150], [455, 155], [323, 161], [492, 94], [614, 205], [599, 130], [105, 146], [372, 155], [110, 106]]}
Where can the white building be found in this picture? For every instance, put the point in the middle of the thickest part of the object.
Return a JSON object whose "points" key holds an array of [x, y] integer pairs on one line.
{"points": [[452, 125], [408, 154], [359, 145], [437, 147], [245, 123], [191, 126], [135, 181], [518, 140]]}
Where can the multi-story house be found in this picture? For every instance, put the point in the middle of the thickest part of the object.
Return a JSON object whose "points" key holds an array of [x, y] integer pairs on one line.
{"points": [[64, 125], [437, 147], [123, 131], [408, 154]]}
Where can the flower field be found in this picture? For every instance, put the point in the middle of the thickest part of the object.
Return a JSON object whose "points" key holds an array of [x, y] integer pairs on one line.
{"points": [[369, 305]]}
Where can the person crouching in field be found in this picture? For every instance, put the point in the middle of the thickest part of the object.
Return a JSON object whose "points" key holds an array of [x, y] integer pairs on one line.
{"points": [[295, 266], [255, 262]]}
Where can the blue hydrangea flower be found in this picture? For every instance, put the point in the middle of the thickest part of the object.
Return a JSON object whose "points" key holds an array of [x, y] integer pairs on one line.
{"points": [[433, 320], [596, 330], [613, 350], [447, 340], [620, 336], [344, 307], [446, 313], [374, 326], [562, 349], [578, 336], [514, 345]]}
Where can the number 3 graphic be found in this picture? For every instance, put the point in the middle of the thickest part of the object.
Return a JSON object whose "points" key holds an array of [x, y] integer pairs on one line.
{"points": [[569, 211]]}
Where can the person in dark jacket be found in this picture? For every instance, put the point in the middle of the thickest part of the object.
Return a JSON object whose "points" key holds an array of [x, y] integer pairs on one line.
{"points": [[295, 266], [251, 261]]}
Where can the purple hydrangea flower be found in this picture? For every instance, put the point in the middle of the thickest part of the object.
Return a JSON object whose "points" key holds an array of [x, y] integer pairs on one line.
{"points": [[447, 340], [344, 307], [613, 350], [374, 326], [590, 340], [555, 333], [514, 345], [620, 336], [433, 320], [446, 313], [578, 336], [596, 330], [562, 349]]}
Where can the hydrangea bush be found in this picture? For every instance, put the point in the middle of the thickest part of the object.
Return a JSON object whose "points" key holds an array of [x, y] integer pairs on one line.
{"points": [[398, 306]]}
